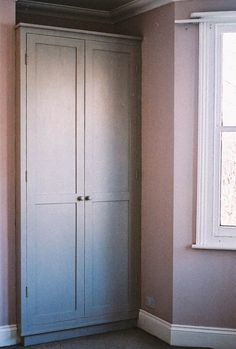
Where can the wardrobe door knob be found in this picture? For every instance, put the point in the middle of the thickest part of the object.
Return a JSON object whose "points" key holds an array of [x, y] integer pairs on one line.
{"points": [[80, 198], [88, 198]]}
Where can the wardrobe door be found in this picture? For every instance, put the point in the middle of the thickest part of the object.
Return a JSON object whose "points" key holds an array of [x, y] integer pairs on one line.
{"points": [[110, 182], [55, 178]]}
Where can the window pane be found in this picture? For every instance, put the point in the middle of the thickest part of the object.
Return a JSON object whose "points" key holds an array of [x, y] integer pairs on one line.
{"points": [[228, 179], [229, 79]]}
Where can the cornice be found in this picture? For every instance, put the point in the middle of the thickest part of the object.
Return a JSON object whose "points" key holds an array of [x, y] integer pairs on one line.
{"points": [[62, 11], [136, 7], [120, 13]]}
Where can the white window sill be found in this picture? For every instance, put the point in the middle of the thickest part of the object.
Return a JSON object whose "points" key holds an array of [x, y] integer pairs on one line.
{"points": [[212, 247]]}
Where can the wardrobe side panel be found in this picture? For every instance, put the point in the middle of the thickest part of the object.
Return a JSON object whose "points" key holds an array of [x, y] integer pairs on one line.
{"points": [[20, 175]]}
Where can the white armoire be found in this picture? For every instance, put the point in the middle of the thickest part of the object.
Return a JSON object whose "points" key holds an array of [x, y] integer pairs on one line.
{"points": [[78, 182]]}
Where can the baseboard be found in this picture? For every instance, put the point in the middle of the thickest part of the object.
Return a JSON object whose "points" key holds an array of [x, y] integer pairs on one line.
{"points": [[178, 335], [155, 326], [188, 336], [8, 335]]}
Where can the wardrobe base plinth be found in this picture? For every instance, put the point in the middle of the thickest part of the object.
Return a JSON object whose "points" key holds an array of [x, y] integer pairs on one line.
{"points": [[77, 332]]}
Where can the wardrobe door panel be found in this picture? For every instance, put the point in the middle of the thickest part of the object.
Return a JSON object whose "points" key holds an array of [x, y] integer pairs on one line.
{"points": [[110, 165], [111, 123], [55, 171], [54, 256], [54, 127], [109, 267]]}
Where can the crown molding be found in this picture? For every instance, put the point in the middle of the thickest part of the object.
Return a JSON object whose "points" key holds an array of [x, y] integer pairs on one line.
{"points": [[61, 11], [120, 13], [136, 7]]}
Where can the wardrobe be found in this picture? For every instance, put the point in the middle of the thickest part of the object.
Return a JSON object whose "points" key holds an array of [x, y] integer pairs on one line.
{"points": [[78, 182]]}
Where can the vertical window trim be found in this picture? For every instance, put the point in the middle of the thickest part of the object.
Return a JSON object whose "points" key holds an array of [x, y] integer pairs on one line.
{"points": [[209, 233]]}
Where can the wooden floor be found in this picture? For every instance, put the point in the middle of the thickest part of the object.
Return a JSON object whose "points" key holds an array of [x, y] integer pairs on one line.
{"points": [[128, 339]]}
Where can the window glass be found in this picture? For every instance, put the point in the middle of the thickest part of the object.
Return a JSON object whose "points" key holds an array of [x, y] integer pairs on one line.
{"points": [[216, 200], [229, 79], [228, 179]]}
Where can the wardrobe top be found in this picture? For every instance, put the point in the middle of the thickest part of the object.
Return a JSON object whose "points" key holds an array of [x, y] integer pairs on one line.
{"points": [[77, 31]]}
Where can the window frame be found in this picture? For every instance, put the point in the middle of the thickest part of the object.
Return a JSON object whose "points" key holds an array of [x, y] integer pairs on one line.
{"points": [[209, 233]]}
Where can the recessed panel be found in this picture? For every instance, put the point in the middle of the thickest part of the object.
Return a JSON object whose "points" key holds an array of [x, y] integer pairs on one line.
{"points": [[55, 119], [109, 254], [54, 259], [110, 121]]}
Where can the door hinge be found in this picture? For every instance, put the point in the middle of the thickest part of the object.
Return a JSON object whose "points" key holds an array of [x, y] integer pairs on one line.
{"points": [[26, 292], [26, 59], [137, 174], [26, 176]]}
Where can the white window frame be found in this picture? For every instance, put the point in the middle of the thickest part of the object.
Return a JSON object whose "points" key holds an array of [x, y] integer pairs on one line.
{"points": [[209, 233]]}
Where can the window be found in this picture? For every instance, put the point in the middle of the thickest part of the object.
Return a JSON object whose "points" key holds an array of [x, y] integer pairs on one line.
{"points": [[216, 206]]}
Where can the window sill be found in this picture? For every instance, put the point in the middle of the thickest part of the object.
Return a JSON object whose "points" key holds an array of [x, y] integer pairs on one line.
{"points": [[212, 247]]}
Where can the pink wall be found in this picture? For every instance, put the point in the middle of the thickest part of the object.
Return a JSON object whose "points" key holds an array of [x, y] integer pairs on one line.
{"points": [[189, 287], [204, 289], [203, 282], [157, 30], [7, 159]]}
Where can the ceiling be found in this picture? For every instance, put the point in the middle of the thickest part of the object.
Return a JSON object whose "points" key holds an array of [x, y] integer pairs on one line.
{"points": [[102, 5]]}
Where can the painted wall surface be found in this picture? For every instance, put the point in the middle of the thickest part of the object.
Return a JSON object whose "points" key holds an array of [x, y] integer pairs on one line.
{"points": [[156, 28], [7, 160], [204, 282], [189, 287], [204, 289]]}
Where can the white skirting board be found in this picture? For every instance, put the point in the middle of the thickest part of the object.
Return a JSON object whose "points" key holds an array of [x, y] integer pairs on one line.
{"points": [[188, 336], [8, 335], [179, 335]]}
